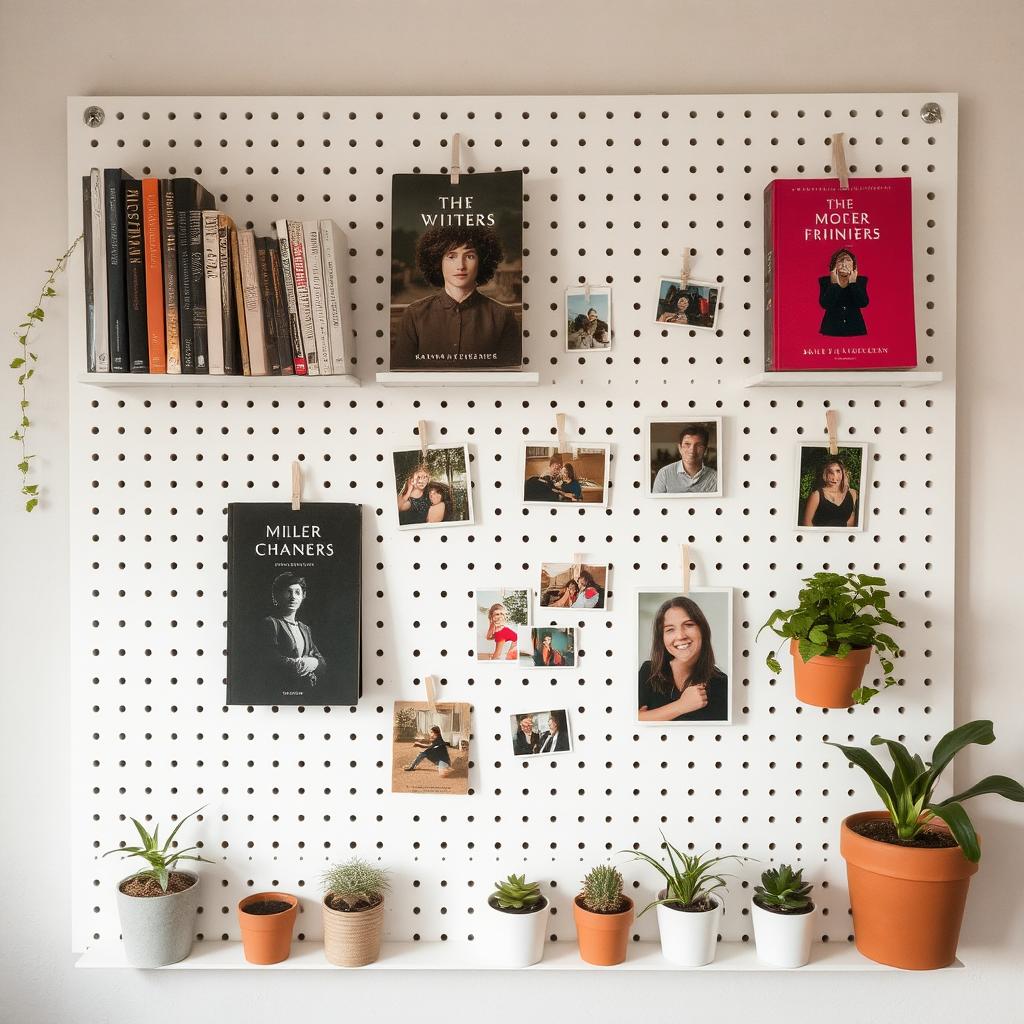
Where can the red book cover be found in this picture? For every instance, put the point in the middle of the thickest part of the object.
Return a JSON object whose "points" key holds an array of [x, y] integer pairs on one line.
{"points": [[839, 275], [154, 265]]}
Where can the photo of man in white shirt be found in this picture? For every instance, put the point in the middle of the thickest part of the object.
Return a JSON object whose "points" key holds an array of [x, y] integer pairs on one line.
{"points": [[694, 472]]}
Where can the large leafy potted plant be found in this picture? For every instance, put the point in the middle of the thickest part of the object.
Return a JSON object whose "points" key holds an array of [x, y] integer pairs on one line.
{"points": [[782, 913], [603, 916], [909, 866], [516, 921], [832, 632], [353, 912], [157, 904], [688, 911]]}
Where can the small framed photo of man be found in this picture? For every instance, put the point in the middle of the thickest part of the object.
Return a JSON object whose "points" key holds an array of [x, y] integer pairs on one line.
{"points": [[588, 319], [685, 457], [430, 748], [433, 490], [502, 617], [684, 655], [578, 477], [539, 733], [693, 305], [830, 488], [579, 586], [549, 647]]}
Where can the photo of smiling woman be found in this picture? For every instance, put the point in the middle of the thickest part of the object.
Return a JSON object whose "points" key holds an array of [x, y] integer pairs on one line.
{"points": [[684, 672]]}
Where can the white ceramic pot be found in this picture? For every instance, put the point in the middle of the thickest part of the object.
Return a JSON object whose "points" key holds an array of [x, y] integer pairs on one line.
{"points": [[515, 940], [688, 938], [783, 940]]}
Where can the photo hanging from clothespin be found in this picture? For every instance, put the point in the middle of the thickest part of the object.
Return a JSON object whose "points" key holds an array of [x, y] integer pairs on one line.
{"points": [[563, 447], [296, 486], [430, 683], [456, 158], [577, 565], [586, 291], [686, 569], [831, 421], [421, 428], [684, 272], [839, 160]]}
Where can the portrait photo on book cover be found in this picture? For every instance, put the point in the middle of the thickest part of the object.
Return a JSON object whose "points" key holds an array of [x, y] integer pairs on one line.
{"points": [[502, 618], [694, 304], [430, 748], [549, 647], [576, 477], [457, 271], [684, 656], [433, 490], [575, 587], [588, 319], [685, 456], [536, 733], [830, 488]]}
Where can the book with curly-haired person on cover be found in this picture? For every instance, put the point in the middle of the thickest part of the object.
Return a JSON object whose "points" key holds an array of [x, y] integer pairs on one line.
{"points": [[457, 271]]}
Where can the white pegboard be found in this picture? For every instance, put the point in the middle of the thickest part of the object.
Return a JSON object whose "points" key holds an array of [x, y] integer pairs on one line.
{"points": [[616, 187]]}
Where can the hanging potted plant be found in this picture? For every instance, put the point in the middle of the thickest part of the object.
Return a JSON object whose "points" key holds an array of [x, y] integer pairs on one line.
{"points": [[603, 917], [782, 913], [831, 633], [266, 920], [353, 912], [157, 905], [516, 922], [909, 866], [688, 912]]}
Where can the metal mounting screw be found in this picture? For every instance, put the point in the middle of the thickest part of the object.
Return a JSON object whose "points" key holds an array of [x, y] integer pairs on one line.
{"points": [[931, 113], [93, 116]]}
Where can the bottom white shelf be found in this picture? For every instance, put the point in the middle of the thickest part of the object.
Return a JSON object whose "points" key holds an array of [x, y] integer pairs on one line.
{"points": [[464, 956]]}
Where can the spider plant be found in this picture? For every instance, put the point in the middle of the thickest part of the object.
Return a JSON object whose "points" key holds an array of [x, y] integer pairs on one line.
{"points": [[691, 880], [161, 861]]}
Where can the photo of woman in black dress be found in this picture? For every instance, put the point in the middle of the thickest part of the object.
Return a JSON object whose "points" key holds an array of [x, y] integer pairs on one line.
{"points": [[830, 488], [833, 502], [842, 294], [287, 643]]}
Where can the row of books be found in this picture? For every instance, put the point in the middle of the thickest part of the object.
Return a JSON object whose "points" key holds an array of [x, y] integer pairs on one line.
{"points": [[173, 286]]}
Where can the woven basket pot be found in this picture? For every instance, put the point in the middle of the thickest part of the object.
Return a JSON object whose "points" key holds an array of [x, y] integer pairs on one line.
{"points": [[352, 939]]}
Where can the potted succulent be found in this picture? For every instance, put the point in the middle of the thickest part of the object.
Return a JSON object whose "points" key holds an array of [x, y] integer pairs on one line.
{"points": [[516, 922], [688, 912], [603, 917], [266, 920], [353, 912], [157, 905], [831, 634], [909, 866], [782, 913]]}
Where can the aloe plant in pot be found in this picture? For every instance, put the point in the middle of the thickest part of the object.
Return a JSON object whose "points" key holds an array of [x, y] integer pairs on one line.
{"points": [[838, 622], [909, 867], [516, 922], [782, 913]]}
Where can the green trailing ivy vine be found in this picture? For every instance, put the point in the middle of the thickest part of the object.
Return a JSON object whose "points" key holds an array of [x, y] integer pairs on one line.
{"points": [[25, 364]]}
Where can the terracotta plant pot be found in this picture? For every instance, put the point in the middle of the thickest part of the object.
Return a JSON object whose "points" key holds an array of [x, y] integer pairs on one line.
{"points": [[602, 937], [267, 938], [352, 938], [907, 902], [826, 682]]}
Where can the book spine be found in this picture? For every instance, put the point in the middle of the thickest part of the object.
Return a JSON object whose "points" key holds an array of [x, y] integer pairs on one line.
{"points": [[317, 299], [135, 276], [252, 304], [154, 275], [232, 599], [90, 285], [266, 305], [99, 269], [188, 351], [169, 238], [229, 321], [197, 269], [294, 330], [280, 306], [236, 276], [117, 305], [302, 304], [334, 253], [769, 280], [211, 275]]}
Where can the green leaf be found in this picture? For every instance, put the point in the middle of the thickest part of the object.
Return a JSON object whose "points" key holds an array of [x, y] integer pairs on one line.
{"points": [[810, 650], [867, 762], [30, 489], [36, 314], [904, 770], [162, 877], [31, 504], [863, 694], [15, 363], [953, 742], [773, 663], [962, 828], [170, 838], [818, 635], [23, 467], [147, 839], [1001, 785]]}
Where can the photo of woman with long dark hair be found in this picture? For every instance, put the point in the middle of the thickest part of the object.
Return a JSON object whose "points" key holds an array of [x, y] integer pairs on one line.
{"points": [[833, 502], [842, 294], [830, 487]]}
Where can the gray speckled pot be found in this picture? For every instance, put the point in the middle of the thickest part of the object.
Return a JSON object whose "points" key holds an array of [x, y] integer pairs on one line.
{"points": [[158, 930]]}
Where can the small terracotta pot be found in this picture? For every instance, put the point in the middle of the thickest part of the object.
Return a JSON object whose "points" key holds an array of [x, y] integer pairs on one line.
{"points": [[827, 682], [907, 902], [352, 938], [267, 938], [602, 937]]}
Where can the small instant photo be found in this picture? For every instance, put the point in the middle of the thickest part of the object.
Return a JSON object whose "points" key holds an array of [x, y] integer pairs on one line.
{"points": [[830, 488], [502, 618], [549, 647], [684, 656], [588, 319], [432, 489], [539, 733], [572, 586], [694, 304], [430, 748], [685, 456], [577, 477]]}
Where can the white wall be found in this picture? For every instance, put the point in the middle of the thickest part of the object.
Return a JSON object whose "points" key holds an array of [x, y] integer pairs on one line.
{"points": [[49, 50]]}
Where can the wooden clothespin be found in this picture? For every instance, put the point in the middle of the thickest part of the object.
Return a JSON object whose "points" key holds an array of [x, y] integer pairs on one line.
{"points": [[839, 160], [421, 427], [431, 684], [684, 273], [831, 420], [577, 565], [563, 447], [456, 158], [296, 486], [586, 291], [686, 569]]}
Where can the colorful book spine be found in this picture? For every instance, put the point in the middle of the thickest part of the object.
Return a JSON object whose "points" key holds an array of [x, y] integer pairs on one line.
{"points": [[302, 303], [135, 276], [294, 330], [169, 238], [317, 297], [211, 276], [156, 336]]}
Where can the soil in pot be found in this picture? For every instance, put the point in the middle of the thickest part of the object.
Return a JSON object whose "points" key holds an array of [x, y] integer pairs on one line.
{"points": [[885, 832], [263, 907], [809, 909], [356, 908], [541, 904], [177, 881], [701, 906], [622, 907]]}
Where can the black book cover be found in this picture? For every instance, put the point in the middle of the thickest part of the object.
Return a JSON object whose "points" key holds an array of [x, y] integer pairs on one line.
{"points": [[280, 308], [228, 309], [188, 195], [197, 284], [117, 302], [135, 276], [273, 348], [293, 629], [90, 287]]}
